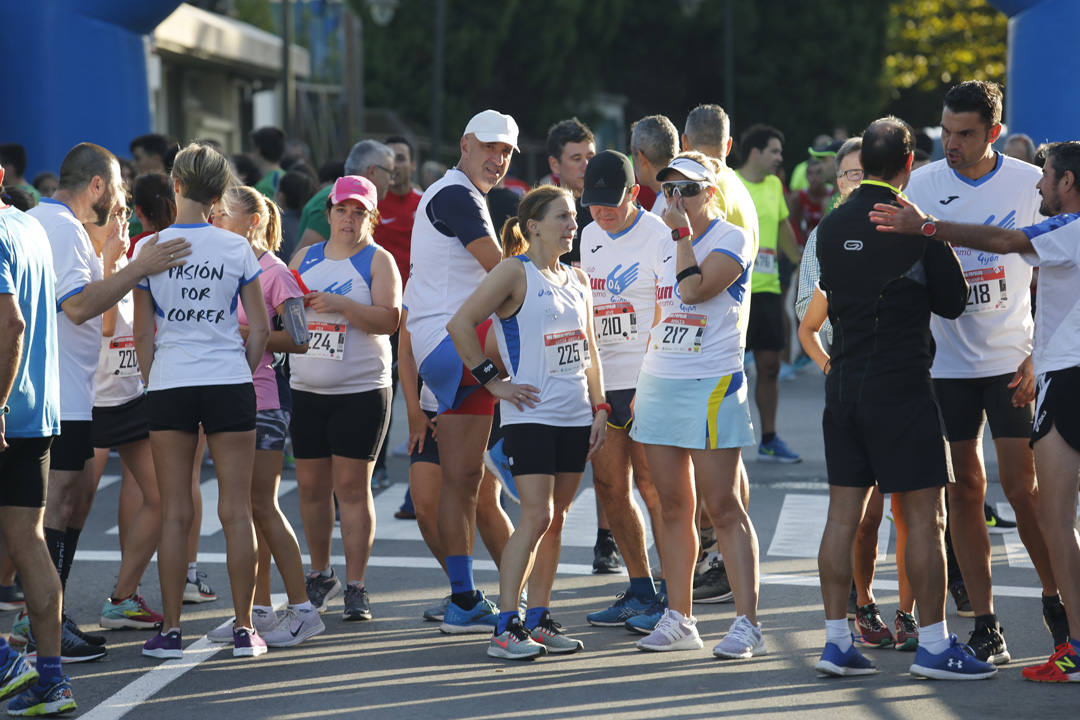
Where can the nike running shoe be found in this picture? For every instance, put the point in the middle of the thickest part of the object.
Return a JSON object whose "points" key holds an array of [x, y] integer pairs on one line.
{"points": [[742, 642], [248, 643], [842, 664], [907, 632], [164, 646], [436, 613], [550, 634], [995, 524], [988, 644], [198, 591], [496, 461], [89, 638], [958, 662], [646, 622], [321, 589], [776, 450], [40, 701], [357, 603], [294, 627], [673, 632], [713, 586], [482, 618], [16, 674], [872, 629], [960, 596], [11, 597], [1063, 666], [625, 607], [264, 621], [129, 613], [1055, 620], [606, 558], [514, 643]]}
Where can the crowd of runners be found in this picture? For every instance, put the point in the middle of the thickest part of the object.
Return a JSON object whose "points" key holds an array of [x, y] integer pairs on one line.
{"points": [[602, 317]]}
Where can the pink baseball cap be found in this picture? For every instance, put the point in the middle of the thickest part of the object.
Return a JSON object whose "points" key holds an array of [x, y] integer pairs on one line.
{"points": [[355, 187]]}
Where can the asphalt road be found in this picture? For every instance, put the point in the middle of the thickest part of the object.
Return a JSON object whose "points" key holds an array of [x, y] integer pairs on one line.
{"points": [[399, 666]]}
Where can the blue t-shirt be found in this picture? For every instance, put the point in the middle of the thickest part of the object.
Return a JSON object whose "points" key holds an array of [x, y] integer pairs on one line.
{"points": [[26, 272]]}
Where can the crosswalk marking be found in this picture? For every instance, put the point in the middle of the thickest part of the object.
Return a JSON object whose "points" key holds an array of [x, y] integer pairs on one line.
{"points": [[211, 524], [802, 519], [1015, 551], [579, 529]]}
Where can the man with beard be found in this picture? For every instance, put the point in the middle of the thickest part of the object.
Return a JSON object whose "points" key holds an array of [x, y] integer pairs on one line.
{"points": [[87, 285]]}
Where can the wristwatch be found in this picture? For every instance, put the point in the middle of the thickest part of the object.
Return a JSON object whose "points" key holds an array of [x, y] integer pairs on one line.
{"points": [[679, 233], [929, 228]]}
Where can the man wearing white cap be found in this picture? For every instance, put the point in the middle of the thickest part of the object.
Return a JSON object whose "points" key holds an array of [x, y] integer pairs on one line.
{"points": [[454, 245]]}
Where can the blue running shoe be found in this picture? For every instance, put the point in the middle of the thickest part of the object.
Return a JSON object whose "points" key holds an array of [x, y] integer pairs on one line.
{"points": [[841, 664], [958, 662], [38, 700], [16, 675], [625, 607], [645, 622], [481, 620], [496, 461], [776, 450]]}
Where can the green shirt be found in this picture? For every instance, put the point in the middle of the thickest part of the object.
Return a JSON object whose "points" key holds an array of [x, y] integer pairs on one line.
{"points": [[313, 215], [772, 209], [268, 185]]}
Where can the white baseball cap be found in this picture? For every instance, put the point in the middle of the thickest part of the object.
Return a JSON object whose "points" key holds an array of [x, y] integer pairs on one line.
{"points": [[493, 126]]}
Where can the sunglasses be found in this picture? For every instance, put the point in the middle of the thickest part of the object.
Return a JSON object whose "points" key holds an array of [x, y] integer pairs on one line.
{"points": [[685, 188]]}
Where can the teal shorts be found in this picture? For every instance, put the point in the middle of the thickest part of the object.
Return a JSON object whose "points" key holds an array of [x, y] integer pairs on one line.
{"points": [[703, 414]]}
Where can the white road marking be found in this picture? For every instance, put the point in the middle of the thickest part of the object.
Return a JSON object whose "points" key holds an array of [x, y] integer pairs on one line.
{"points": [[800, 525], [579, 529], [1015, 551], [107, 480]]}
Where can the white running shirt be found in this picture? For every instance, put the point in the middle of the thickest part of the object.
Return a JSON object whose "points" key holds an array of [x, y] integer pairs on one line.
{"points": [[623, 292], [117, 379], [994, 334], [1057, 312]]}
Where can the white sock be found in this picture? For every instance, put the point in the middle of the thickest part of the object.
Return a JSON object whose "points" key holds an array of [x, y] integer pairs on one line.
{"points": [[305, 606], [720, 556], [677, 615], [935, 638], [328, 572], [172, 629], [193, 572], [838, 633]]}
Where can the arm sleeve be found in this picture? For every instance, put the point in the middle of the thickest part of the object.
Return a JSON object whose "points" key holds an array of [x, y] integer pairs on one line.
{"points": [[736, 244], [455, 211], [945, 281], [252, 269], [809, 272], [71, 262], [1055, 240], [279, 285]]}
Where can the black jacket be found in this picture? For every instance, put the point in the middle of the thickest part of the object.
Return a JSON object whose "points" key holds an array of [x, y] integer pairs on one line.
{"points": [[882, 288]]}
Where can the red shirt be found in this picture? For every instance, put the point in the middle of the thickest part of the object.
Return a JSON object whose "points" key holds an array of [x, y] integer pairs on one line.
{"points": [[812, 212], [395, 227]]}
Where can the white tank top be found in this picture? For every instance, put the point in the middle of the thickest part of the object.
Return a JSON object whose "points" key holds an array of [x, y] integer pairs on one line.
{"points": [[341, 359], [546, 344], [117, 379]]}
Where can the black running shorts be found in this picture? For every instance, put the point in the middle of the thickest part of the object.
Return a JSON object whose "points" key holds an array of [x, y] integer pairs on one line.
{"points": [[966, 403], [352, 425], [534, 449]]}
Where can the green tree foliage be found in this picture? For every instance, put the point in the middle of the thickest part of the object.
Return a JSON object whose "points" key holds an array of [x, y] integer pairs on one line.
{"points": [[933, 44]]}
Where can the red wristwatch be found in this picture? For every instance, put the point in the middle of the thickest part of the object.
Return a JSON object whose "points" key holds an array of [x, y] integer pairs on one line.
{"points": [[679, 233], [601, 406]]}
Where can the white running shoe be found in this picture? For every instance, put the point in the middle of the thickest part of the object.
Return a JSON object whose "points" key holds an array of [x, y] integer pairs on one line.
{"points": [[263, 621], [673, 632], [743, 641], [293, 628]]}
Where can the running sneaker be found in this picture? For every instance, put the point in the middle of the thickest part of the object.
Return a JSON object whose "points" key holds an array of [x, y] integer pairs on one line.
{"points": [[514, 643], [960, 596], [1063, 666], [407, 511], [498, 464], [248, 643], [673, 632], [74, 649], [625, 607], [164, 646], [263, 620], [11, 597], [646, 622], [89, 638], [1055, 620], [713, 586], [320, 589], [742, 641], [129, 613], [842, 664], [294, 627], [907, 632], [380, 478], [16, 675], [958, 662], [550, 634], [872, 629], [198, 591], [20, 630], [481, 619], [988, 644], [436, 613], [357, 603], [995, 524], [40, 701], [606, 558], [776, 450]]}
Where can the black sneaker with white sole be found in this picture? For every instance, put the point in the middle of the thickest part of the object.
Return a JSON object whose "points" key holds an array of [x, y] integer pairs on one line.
{"points": [[988, 644], [357, 603]]}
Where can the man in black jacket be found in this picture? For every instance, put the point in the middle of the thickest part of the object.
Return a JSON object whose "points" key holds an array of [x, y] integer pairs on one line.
{"points": [[881, 422]]}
